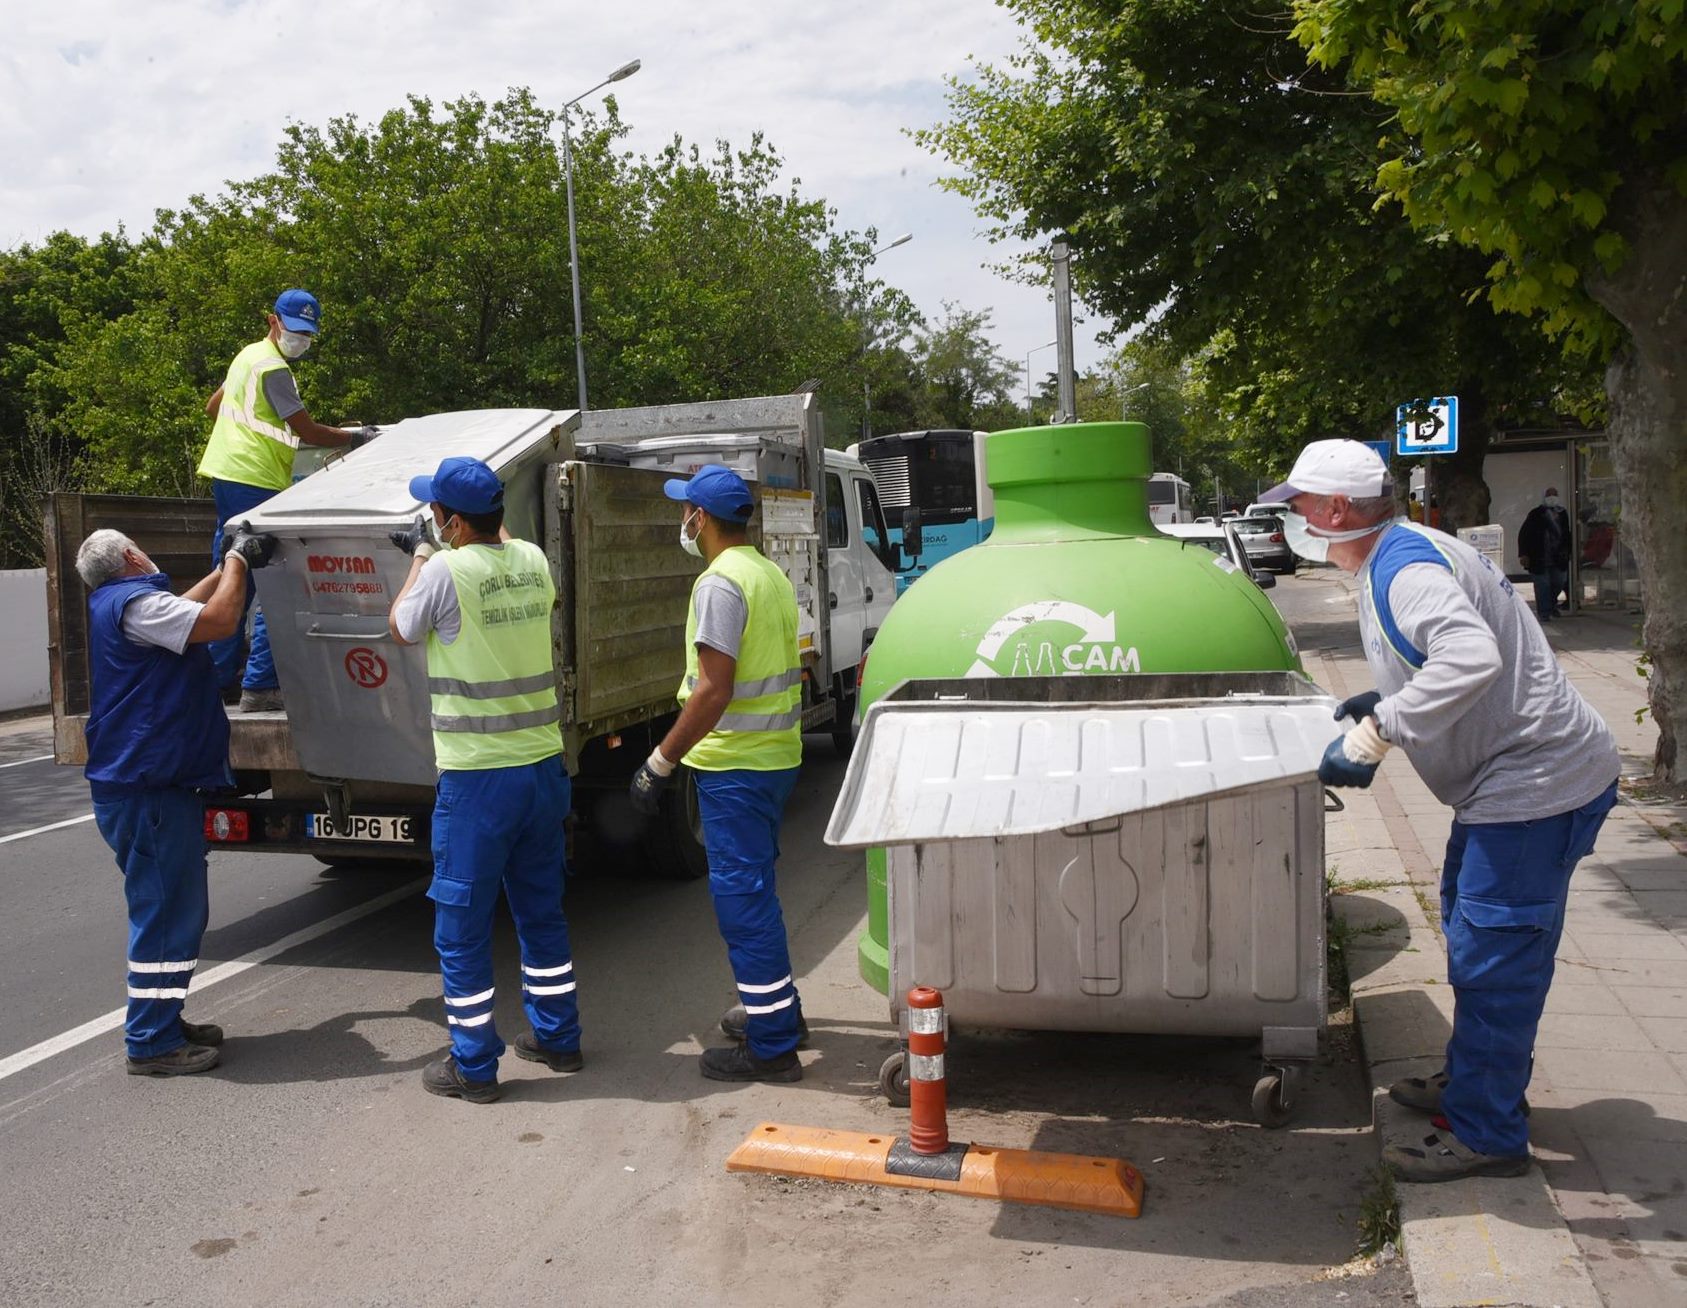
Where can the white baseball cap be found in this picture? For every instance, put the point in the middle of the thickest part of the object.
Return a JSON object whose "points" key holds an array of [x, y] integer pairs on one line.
{"points": [[1334, 467]]}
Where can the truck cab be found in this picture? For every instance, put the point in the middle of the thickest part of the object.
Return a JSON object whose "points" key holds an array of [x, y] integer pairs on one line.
{"points": [[861, 572]]}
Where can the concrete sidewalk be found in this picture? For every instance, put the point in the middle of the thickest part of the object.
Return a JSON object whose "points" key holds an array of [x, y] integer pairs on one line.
{"points": [[1603, 1220]]}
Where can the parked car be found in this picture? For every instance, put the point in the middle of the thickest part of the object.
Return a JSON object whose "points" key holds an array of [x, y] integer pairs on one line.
{"points": [[1263, 538], [1222, 540], [1265, 510]]}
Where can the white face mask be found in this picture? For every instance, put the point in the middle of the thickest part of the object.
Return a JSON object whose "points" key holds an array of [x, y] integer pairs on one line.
{"points": [[293, 344], [1316, 548], [1552, 501], [689, 543]]}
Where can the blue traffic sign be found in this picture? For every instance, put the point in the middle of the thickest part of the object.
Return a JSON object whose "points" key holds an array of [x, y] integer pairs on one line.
{"points": [[1384, 449], [1427, 426]]}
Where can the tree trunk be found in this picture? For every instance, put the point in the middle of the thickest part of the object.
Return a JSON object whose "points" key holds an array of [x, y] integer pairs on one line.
{"points": [[1648, 394], [1456, 479]]}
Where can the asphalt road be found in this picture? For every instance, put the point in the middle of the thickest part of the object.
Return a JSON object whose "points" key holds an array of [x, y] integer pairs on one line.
{"points": [[310, 1168]]}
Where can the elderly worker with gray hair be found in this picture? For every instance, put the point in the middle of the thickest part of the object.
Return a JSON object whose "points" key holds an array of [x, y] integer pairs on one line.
{"points": [[1468, 687], [157, 737]]}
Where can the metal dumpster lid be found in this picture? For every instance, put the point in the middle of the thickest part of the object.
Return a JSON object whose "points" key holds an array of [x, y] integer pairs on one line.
{"points": [[374, 482], [925, 771]]}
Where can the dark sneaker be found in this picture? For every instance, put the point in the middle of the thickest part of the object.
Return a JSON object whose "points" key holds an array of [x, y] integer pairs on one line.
{"points": [[260, 701], [1424, 1093], [208, 1033], [184, 1060], [1441, 1157], [446, 1078], [737, 1063], [558, 1060], [735, 1022]]}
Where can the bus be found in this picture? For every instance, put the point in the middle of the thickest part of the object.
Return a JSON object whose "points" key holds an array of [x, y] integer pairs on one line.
{"points": [[1168, 499], [935, 497]]}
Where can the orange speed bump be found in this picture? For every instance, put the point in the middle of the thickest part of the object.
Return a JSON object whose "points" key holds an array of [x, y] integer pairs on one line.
{"points": [[1025, 1176]]}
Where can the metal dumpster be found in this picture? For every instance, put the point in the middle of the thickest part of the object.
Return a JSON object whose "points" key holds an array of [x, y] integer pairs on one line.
{"points": [[1118, 853], [357, 702]]}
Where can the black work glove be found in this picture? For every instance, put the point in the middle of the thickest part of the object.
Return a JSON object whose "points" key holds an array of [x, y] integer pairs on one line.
{"points": [[414, 537], [645, 790], [361, 436], [255, 547], [1359, 706]]}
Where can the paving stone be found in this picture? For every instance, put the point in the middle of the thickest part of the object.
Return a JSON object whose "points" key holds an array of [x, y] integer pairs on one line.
{"points": [[1653, 1001], [1610, 1032], [1601, 948], [1634, 1072]]}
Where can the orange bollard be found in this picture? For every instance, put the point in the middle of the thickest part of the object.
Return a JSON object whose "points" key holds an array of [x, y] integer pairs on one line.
{"points": [[928, 1088]]}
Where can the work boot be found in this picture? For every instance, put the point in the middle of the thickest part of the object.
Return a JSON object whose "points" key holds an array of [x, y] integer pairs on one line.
{"points": [[737, 1063], [261, 701], [207, 1034], [184, 1060], [735, 1022], [447, 1079], [1443, 1157], [1424, 1093], [558, 1060]]}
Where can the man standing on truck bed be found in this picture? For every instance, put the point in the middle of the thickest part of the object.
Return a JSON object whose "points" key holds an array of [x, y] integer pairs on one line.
{"points": [[157, 737], [260, 421], [740, 731], [1468, 686], [484, 608]]}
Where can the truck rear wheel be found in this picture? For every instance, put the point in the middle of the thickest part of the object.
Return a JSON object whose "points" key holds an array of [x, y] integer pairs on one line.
{"points": [[673, 840]]}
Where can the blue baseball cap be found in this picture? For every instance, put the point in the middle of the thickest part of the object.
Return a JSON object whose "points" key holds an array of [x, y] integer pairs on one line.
{"points": [[466, 485], [716, 490], [298, 311]]}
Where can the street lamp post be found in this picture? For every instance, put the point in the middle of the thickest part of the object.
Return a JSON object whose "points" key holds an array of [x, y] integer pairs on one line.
{"points": [[1030, 417], [1125, 394], [867, 344], [624, 71]]}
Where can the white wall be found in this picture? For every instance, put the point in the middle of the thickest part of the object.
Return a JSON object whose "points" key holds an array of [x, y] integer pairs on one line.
{"points": [[23, 639], [1515, 480]]}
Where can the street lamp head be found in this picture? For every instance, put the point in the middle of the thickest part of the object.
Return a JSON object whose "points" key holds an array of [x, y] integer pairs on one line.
{"points": [[900, 240], [624, 71]]}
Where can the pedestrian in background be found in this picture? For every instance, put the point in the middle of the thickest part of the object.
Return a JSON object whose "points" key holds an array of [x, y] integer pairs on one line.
{"points": [[1543, 548], [1472, 692], [157, 737], [260, 421], [740, 732]]}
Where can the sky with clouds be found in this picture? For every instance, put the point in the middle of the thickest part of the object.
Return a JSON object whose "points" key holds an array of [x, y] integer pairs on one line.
{"points": [[113, 109]]}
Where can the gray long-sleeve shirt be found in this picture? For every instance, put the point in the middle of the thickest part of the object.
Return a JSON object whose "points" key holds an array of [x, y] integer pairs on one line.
{"points": [[1490, 721]]}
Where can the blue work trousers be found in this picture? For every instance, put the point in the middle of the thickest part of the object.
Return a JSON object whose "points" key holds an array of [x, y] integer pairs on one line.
{"points": [[159, 839], [741, 811], [502, 827], [1549, 585], [233, 499], [1503, 894]]}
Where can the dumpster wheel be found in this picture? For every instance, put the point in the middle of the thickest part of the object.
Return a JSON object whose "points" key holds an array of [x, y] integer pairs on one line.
{"points": [[893, 1079], [1273, 1101]]}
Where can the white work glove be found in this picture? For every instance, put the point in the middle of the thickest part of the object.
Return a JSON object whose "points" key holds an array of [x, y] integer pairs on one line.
{"points": [[1364, 743]]}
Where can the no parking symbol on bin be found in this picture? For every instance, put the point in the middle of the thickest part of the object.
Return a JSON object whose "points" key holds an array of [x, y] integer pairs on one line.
{"points": [[365, 667]]}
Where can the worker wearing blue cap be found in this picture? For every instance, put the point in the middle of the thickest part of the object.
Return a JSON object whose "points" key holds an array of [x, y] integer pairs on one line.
{"points": [[260, 421], [484, 608], [740, 731]]}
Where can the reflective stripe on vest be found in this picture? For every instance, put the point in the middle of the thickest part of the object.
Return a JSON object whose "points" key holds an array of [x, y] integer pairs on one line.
{"points": [[493, 689], [761, 728], [250, 444]]}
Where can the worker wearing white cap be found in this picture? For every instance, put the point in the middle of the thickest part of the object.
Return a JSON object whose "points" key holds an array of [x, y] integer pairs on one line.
{"points": [[1469, 688]]}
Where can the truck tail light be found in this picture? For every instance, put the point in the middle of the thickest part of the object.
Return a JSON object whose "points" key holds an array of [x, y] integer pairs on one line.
{"points": [[228, 826]]}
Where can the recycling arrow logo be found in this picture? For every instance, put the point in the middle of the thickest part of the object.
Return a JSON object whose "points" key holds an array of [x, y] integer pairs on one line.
{"points": [[1021, 639]]}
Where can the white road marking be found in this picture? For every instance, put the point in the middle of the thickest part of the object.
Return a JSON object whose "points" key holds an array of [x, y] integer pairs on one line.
{"points": [[51, 826], [18, 763], [27, 1058]]}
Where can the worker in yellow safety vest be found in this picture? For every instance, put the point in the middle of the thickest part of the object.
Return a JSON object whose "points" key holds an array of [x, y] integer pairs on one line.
{"points": [[483, 605], [739, 731], [260, 421]]}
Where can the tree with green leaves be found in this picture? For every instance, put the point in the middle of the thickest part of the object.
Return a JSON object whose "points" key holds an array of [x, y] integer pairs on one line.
{"points": [[1549, 137], [1215, 189], [965, 382]]}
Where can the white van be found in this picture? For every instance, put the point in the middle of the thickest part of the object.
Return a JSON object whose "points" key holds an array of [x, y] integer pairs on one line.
{"points": [[1169, 500]]}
